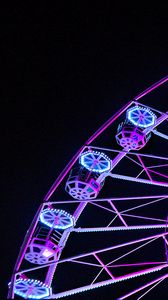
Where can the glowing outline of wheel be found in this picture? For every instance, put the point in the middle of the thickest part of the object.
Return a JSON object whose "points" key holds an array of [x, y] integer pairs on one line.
{"points": [[82, 205]]}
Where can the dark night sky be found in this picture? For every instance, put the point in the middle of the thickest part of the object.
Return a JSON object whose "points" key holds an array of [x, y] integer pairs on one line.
{"points": [[64, 72]]}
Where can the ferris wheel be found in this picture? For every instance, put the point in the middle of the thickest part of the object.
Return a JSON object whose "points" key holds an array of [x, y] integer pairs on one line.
{"points": [[101, 232]]}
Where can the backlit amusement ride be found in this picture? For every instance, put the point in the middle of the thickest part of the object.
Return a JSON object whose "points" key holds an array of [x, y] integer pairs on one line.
{"points": [[100, 231]]}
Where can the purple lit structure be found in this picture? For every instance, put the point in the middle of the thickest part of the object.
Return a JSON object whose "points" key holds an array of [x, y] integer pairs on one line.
{"points": [[131, 137], [83, 184], [42, 251], [84, 178]]}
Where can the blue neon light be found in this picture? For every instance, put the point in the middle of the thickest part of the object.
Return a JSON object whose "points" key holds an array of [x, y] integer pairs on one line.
{"points": [[95, 161], [141, 116], [56, 218], [30, 288]]}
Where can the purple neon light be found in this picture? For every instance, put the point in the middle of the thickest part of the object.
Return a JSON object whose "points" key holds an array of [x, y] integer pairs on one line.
{"points": [[47, 253], [107, 282], [153, 237], [151, 88], [144, 286], [63, 174]]}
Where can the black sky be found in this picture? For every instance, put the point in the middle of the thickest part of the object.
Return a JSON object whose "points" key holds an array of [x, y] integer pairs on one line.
{"points": [[65, 70]]}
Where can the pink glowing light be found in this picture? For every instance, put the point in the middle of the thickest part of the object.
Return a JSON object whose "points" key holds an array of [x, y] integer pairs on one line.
{"points": [[47, 253]]}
